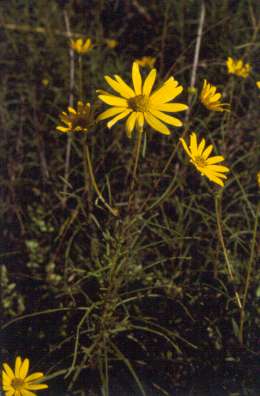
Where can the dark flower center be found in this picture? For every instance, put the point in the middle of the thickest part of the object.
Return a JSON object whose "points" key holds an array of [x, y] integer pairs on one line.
{"points": [[139, 103]]}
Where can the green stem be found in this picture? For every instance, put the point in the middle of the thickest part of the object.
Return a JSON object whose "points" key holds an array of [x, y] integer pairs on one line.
{"points": [[114, 211], [136, 154], [221, 239]]}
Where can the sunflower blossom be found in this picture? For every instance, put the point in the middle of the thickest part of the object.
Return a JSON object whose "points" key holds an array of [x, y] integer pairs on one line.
{"points": [[80, 46], [146, 61], [210, 99], [199, 157], [76, 120], [238, 67], [17, 383], [140, 105]]}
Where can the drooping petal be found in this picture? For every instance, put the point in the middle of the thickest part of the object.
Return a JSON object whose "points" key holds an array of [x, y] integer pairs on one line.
{"points": [[118, 117], [130, 123], [25, 392], [149, 82], [114, 100], [137, 79], [166, 118], [156, 124]]}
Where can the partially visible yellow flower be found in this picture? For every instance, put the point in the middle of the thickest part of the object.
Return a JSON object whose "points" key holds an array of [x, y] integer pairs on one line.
{"points": [[238, 67], [76, 120], [199, 156], [111, 43], [258, 178], [17, 383], [258, 84], [80, 46], [140, 105], [210, 99], [146, 61], [45, 82]]}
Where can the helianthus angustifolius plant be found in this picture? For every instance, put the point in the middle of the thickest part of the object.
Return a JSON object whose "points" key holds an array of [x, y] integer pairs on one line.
{"points": [[211, 99], [17, 382], [238, 67], [146, 61], [80, 46], [79, 119], [140, 105], [206, 165]]}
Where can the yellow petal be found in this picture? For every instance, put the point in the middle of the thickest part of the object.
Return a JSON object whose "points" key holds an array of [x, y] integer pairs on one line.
{"points": [[156, 124], [219, 168], [130, 124], [6, 379], [110, 113], [25, 392], [167, 92], [24, 368], [36, 386], [124, 86], [10, 392], [33, 377], [137, 79], [166, 118], [72, 110], [171, 107], [201, 146], [207, 152], [216, 180], [118, 117], [149, 82], [18, 363], [215, 97], [118, 87], [62, 129], [8, 371], [193, 144], [114, 100], [215, 160], [186, 148]]}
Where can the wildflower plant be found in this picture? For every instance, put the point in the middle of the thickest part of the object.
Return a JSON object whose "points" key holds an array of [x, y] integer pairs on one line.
{"points": [[139, 104], [210, 98], [17, 382], [79, 119], [238, 67]]}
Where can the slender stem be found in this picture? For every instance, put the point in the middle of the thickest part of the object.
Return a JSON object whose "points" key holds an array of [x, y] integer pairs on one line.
{"points": [[248, 277], [71, 100], [114, 211], [136, 155], [221, 239]]}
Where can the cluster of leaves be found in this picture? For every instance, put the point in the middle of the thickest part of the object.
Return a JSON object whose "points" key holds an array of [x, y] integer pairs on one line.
{"points": [[118, 301]]}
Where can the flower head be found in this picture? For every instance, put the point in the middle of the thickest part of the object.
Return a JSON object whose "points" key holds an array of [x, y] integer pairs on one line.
{"points": [[140, 105], [258, 84], [17, 383], [76, 120], [258, 178], [146, 61], [111, 43], [238, 67], [206, 165], [80, 46], [210, 99]]}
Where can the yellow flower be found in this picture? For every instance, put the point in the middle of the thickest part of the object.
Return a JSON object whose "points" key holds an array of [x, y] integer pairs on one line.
{"points": [[111, 43], [76, 120], [258, 178], [258, 84], [140, 105], [211, 99], [17, 383], [238, 67], [200, 159], [80, 46], [45, 82], [146, 61]]}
